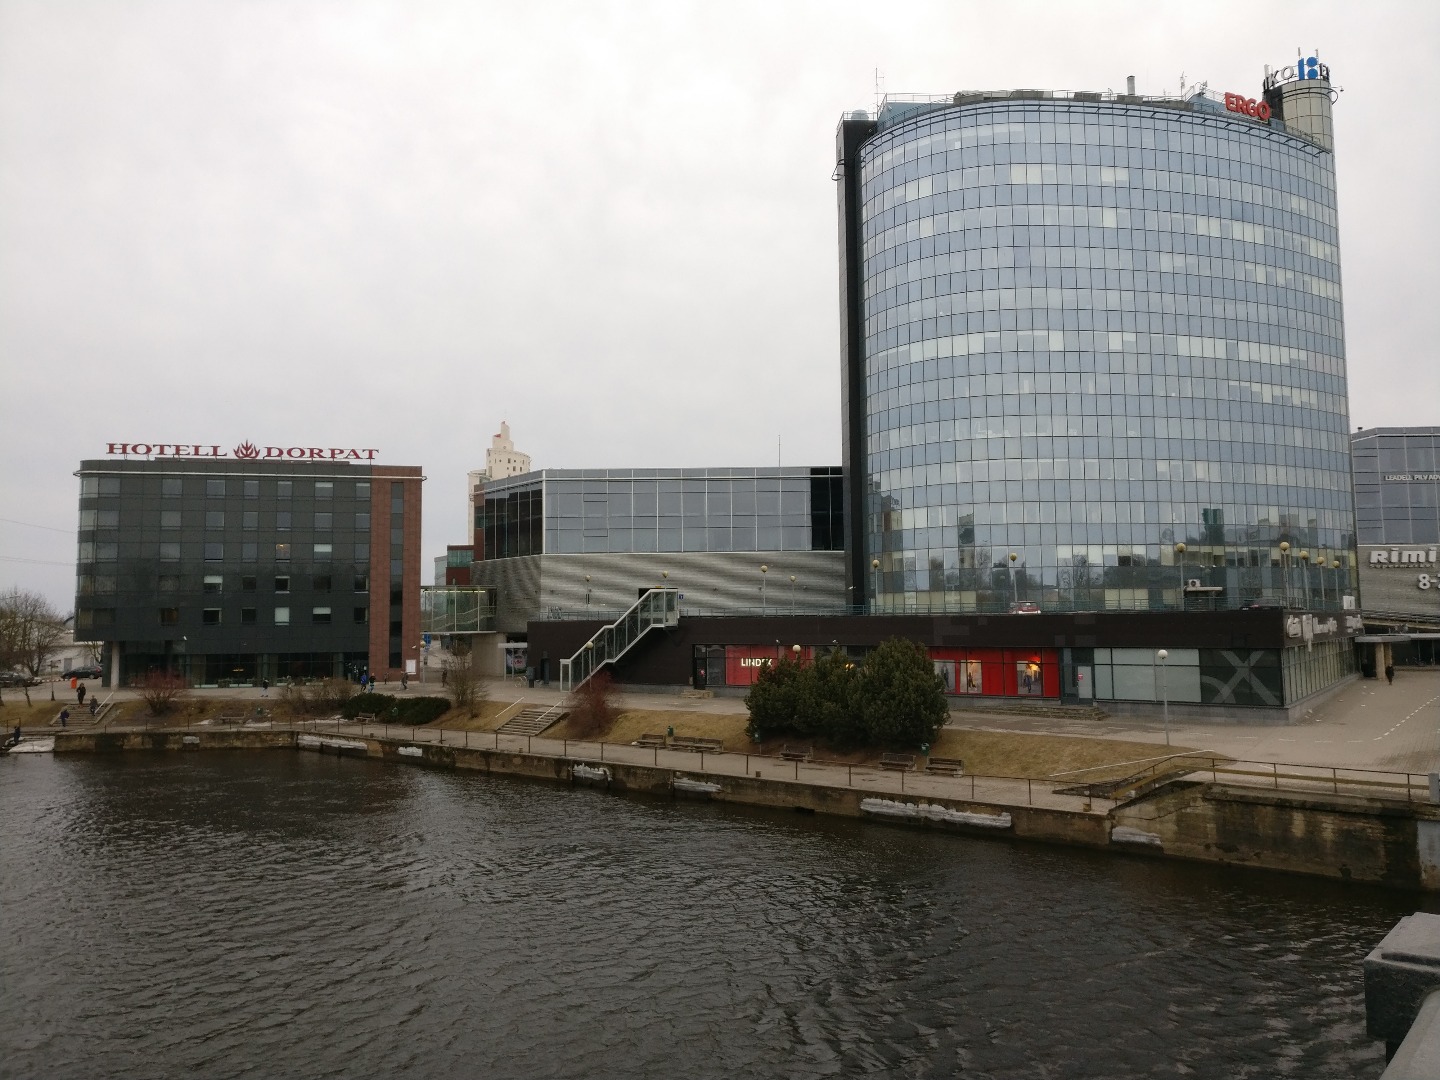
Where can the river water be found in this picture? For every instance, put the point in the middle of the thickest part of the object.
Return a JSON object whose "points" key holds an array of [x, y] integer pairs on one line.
{"points": [[275, 914]]}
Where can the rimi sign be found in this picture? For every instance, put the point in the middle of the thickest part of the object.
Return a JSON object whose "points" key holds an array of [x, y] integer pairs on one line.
{"points": [[246, 451]]}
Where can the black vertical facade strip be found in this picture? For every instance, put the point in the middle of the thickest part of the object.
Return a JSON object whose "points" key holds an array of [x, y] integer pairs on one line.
{"points": [[849, 137]]}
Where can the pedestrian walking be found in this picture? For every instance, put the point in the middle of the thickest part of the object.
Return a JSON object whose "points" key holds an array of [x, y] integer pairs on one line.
{"points": [[264, 687], [1390, 674], [444, 674], [80, 694], [94, 704], [404, 681], [64, 717], [17, 736]]}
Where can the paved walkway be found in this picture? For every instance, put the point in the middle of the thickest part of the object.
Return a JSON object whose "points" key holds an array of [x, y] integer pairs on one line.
{"points": [[1368, 725]]}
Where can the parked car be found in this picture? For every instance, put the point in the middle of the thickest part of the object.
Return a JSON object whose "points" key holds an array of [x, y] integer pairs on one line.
{"points": [[1025, 607], [18, 678], [89, 671]]}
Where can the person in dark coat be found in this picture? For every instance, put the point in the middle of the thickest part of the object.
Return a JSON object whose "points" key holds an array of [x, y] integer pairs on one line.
{"points": [[80, 694], [64, 717], [1390, 673]]}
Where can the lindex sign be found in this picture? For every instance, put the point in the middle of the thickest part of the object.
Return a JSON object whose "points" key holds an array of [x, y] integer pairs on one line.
{"points": [[246, 451]]}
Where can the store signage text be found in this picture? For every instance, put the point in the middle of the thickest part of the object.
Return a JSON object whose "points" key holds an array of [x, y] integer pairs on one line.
{"points": [[755, 661], [1404, 557], [1309, 68], [246, 451], [1248, 106], [1413, 477]]}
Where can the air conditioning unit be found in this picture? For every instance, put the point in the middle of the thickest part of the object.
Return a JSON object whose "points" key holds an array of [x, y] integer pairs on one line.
{"points": [[1193, 583]]}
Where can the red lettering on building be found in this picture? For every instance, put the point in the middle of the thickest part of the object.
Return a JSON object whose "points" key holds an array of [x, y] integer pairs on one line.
{"points": [[1259, 109]]}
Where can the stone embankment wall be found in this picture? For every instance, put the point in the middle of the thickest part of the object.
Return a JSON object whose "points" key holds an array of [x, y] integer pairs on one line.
{"points": [[1354, 839]]}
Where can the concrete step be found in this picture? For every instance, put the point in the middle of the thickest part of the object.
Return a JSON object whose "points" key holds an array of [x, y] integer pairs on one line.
{"points": [[1030, 708], [531, 721]]}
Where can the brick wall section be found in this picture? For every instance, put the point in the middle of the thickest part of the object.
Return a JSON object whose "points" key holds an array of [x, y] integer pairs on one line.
{"points": [[380, 479]]}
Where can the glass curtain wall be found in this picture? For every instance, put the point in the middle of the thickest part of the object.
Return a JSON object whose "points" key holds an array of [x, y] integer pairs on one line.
{"points": [[1095, 332]]}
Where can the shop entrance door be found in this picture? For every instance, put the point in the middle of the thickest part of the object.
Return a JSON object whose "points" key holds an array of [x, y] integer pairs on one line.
{"points": [[1084, 683]]}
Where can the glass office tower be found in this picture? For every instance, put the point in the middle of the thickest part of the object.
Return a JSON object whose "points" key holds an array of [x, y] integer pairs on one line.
{"points": [[1093, 356]]}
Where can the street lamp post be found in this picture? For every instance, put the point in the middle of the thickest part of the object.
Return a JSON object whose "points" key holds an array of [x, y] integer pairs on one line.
{"points": [[1180, 565], [1321, 564], [1305, 578], [792, 594], [1285, 570], [763, 571], [1163, 655], [874, 583], [587, 591], [1014, 586], [1335, 565]]}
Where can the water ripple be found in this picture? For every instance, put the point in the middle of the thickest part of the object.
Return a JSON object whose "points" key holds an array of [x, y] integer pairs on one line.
{"points": [[275, 914]]}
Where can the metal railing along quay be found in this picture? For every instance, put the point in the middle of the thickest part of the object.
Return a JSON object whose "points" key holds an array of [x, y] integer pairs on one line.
{"points": [[1059, 790]]}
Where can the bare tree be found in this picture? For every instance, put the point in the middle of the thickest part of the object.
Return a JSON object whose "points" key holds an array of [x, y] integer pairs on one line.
{"points": [[31, 631], [462, 680], [160, 690]]}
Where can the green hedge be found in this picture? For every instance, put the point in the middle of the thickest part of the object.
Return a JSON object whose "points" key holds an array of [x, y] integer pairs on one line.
{"points": [[396, 710]]}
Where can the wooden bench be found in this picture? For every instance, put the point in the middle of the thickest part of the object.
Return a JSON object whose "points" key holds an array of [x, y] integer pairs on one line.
{"points": [[366, 718], [651, 738], [229, 718], [946, 766], [796, 753], [903, 762], [695, 745]]}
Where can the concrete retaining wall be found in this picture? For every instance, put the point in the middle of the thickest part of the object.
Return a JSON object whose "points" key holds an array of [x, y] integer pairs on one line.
{"points": [[1348, 838], [1337, 836]]}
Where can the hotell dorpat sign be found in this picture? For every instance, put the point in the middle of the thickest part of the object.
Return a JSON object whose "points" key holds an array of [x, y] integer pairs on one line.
{"points": [[246, 451]]}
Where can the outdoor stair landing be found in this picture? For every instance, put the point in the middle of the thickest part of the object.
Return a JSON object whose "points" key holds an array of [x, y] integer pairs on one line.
{"points": [[532, 721]]}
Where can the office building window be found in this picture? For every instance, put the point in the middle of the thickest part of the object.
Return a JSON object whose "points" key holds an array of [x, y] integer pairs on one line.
{"points": [[104, 584], [322, 551], [107, 552], [282, 616], [170, 486], [249, 552], [250, 520], [210, 616], [169, 552], [284, 488], [282, 583], [214, 552], [282, 520], [214, 519], [362, 490], [322, 520], [169, 616], [324, 489], [362, 553], [214, 582], [215, 488], [362, 614], [109, 519], [282, 552], [252, 489], [247, 616], [362, 521], [362, 582], [169, 519], [320, 615]]}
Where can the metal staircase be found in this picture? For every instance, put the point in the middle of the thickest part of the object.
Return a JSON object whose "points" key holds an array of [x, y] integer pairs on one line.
{"points": [[658, 607]]}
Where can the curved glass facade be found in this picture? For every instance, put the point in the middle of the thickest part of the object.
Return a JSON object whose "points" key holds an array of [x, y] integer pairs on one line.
{"points": [[1093, 331]]}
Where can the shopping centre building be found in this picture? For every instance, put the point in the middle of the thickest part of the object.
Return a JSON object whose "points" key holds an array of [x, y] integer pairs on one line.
{"points": [[1093, 366], [232, 566], [1397, 509]]}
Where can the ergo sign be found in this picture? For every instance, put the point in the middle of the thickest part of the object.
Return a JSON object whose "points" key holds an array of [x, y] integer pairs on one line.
{"points": [[1260, 110], [246, 451]]}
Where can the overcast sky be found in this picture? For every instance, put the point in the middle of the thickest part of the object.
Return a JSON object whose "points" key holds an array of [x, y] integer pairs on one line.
{"points": [[395, 224]]}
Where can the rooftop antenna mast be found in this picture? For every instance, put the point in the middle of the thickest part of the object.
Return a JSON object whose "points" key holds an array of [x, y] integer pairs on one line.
{"points": [[879, 89]]}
